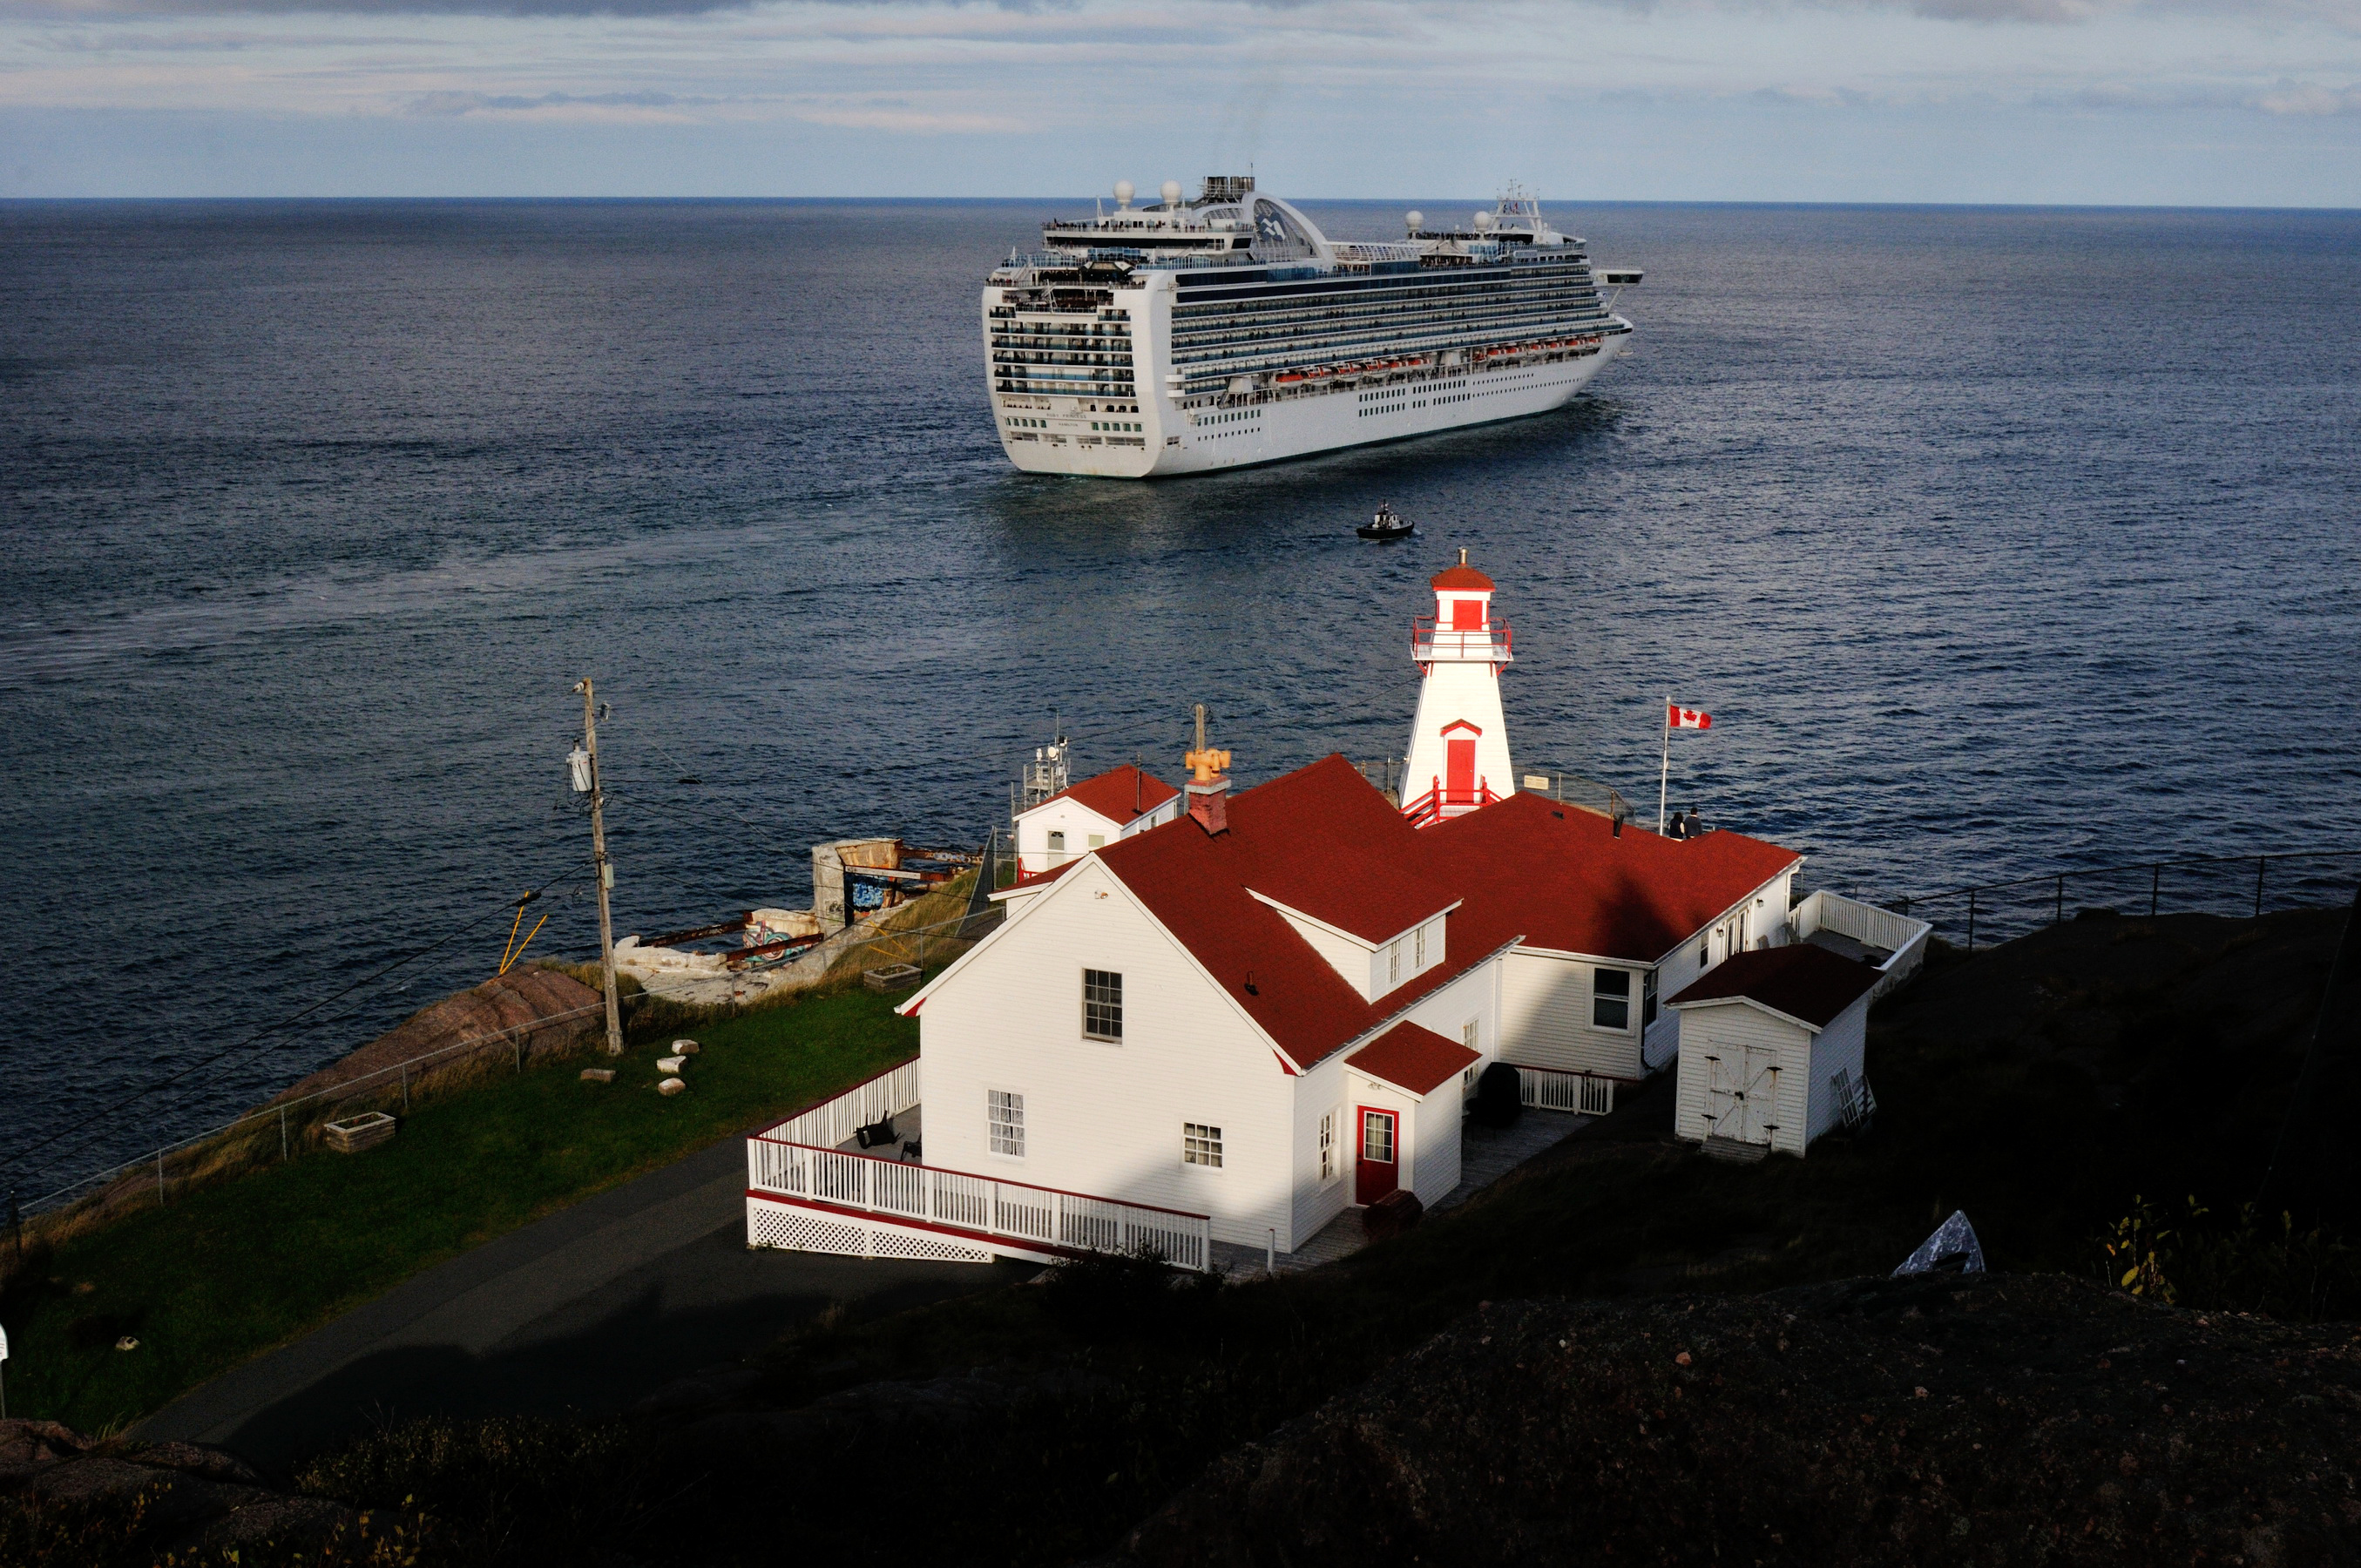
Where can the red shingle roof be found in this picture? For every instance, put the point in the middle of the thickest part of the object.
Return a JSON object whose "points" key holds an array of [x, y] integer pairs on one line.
{"points": [[1799, 979], [1462, 577], [1568, 883], [1120, 795], [1322, 841], [1412, 1058]]}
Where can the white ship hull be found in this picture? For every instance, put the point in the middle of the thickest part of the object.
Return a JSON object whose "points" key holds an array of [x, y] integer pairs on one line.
{"points": [[1173, 443]]}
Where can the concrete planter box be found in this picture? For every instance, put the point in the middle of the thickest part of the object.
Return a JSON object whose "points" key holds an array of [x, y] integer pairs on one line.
{"points": [[357, 1132], [893, 977]]}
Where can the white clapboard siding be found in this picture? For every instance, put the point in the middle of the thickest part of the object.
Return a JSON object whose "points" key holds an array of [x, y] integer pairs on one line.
{"points": [[1436, 1172], [1839, 1047], [1100, 1118], [1545, 1019], [1317, 1093], [1726, 1031]]}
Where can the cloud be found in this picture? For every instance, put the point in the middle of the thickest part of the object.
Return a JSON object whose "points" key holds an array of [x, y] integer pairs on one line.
{"points": [[456, 103], [2296, 98]]}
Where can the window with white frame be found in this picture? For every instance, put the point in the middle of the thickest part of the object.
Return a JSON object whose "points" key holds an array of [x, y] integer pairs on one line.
{"points": [[1611, 998], [1201, 1144], [1098, 840], [1057, 841], [1468, 1034], [1102, 1005], [1328, 1149], [1418, 949], [1393, 963], [1648, 999], [1005, 1113]]}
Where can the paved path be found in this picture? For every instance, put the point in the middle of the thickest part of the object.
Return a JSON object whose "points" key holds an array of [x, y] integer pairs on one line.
{"points": [[588, 1310]]}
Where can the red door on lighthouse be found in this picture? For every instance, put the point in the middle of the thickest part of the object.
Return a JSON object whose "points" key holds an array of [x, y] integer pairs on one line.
{"points": [[1467, 615], [1458, 770], [1378, 1171]]}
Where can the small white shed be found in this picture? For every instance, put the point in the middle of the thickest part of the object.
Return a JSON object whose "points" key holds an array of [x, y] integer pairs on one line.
{"points": [[1089, 816], [1772, 1048]]}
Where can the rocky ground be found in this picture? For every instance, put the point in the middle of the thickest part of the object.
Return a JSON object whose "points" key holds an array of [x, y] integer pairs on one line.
{"points": [[71, 1499], [1931, 1420]]}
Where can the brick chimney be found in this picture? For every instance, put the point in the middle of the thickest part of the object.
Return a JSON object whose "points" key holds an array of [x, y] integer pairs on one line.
{"points": [[1209, 784]]}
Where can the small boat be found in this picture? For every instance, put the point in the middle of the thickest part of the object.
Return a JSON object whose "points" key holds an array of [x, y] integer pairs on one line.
{"points": [[1388, 524]]}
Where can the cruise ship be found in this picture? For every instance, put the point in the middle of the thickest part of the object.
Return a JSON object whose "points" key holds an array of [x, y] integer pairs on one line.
{"points": [[1197, 335]]}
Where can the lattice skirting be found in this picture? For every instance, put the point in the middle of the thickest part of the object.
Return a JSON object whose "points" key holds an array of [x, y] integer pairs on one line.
{"points": [[796, 1229]]}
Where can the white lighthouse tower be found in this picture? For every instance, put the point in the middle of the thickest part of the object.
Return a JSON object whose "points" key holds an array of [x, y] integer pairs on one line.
{"points": [[1459, 743]]}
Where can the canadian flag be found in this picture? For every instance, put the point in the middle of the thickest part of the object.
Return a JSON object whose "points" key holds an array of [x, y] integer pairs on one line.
{"points": [[1688, 719]]}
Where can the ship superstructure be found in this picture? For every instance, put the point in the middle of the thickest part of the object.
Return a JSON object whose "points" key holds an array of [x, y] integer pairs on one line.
{"points": [[1207, 334]]}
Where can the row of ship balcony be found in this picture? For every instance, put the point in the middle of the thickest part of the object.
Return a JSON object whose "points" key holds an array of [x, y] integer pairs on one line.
{"points": [[1115, 385], [1538, 308], [1363, 339], [1385, 331], [1055, 357], [1061, 339], [1367, 253], [1291, 372]]}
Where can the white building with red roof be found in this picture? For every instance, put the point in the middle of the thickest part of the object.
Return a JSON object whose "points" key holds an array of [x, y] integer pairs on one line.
{"points": [[1089, 816], [1231, 1026]]}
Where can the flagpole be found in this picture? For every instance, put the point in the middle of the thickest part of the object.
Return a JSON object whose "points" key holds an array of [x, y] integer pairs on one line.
{"points": [[1665, 766]]}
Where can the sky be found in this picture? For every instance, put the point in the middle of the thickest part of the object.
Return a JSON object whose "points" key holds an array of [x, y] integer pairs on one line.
{"points": [[2214, 102]]}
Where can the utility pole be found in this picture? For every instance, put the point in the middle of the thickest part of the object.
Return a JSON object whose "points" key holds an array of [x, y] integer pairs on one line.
{"points": [[589, 783]]}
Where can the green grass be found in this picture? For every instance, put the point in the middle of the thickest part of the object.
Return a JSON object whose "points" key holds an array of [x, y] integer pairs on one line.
{"points": [[225, 1272]]}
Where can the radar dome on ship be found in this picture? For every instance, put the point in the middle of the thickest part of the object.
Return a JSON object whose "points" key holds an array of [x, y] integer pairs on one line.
{"points": [[1483, 221], [1172, 192], [1123, 191], [1415, 219]]}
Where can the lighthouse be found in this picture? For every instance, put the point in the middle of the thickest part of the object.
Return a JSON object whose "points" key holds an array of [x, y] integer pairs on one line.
{"points": [[1458, 757]]}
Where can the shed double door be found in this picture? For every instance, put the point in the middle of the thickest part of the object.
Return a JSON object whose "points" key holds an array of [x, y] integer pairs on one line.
{"points": [[1742, 1092]]}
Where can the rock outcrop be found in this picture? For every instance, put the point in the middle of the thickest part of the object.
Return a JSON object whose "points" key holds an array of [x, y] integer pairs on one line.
{"points": [[545, 1009], [174, 1496]]}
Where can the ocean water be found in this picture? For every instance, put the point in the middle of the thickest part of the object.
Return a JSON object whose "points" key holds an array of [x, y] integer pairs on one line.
{"points": [[1995, 541]]}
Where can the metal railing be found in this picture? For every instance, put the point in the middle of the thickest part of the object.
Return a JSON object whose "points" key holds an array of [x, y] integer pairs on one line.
{"points": [[1436, 803], [1035, 1218], [1547, 1089], [2214, 884], [1492, 643]]}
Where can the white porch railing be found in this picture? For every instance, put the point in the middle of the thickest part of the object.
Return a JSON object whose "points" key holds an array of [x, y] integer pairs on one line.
{"points": [[1899, 936], [832, 1121], [1042, 1217], [1546, 1089]]}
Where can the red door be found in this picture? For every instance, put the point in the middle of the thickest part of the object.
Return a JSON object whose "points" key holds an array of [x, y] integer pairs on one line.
{"points": [[1378, 1171], [1458, 770], [1467, 615]]}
